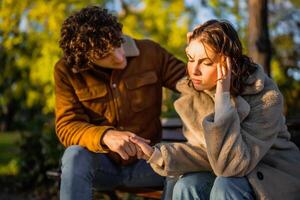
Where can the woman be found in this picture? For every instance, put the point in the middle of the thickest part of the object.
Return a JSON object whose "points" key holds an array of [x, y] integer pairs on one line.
{"points": [[237, 142]]}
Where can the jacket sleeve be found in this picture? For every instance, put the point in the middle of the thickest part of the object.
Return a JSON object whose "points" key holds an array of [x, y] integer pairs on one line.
{"points": [[176, 159], [72, 124], [172, 69], [235, 148]]}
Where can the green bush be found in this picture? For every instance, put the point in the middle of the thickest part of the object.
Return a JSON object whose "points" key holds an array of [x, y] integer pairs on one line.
{"points": [[40, 151]]}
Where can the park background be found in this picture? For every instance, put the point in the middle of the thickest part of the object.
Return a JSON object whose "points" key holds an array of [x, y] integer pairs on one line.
{"points": [[29, 35]]}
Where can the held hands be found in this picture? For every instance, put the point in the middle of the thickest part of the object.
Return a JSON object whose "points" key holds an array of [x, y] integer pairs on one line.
{"points": [[145, 150], [223, 75], [120, 142]]}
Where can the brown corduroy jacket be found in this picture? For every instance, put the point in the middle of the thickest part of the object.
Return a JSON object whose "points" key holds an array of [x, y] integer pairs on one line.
{"points": [[90, 101]]}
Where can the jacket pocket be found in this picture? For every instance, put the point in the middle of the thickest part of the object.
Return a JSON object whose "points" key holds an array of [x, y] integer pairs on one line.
{"points": [[142, 90], [90, 93], [95, 101]]}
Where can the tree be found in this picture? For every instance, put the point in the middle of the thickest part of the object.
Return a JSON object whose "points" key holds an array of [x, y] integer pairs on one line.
{"points": [[285, 34], [258, 42]]}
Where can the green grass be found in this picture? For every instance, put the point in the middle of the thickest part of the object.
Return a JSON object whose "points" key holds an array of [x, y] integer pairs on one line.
{"points": [[8, 153]]}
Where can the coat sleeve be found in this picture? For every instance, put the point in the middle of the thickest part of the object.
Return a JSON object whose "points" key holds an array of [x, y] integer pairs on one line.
{"points": [[235, 148], [179, 158], [72, 124], [172, 69]]}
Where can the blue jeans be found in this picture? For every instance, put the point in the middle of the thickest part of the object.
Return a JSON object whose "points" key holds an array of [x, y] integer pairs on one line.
{"points": [[204, 186], [83, 170]]}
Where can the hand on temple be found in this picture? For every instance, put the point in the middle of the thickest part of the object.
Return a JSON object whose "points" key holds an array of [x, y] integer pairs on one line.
{"points": [[224, 75]]}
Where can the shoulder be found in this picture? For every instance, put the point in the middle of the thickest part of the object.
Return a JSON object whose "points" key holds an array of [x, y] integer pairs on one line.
{"points": [[149, 45], [146, 42], [61, 68], [270, 94], [60, 65], [268, 97]]}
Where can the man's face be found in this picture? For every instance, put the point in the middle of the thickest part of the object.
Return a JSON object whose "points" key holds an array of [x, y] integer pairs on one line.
{"points": [[113, 60]]}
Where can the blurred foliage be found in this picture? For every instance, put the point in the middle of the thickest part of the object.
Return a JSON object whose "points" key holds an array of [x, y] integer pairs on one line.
{"points": [[9, 153], [285, 37], [29, 35]]}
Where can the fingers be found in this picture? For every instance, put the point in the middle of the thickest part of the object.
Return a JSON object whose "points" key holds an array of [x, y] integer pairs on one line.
{"points": [[228, 63], [188, 36], [122, 153], [120, 142], [219, 72], [223, 75], [147, 149], [141, 139], [138, 137], [139, 152], [224, 69], [130, 149]]}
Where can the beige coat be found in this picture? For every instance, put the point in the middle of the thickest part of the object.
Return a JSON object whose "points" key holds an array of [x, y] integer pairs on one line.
{"points": [[250, 140]]}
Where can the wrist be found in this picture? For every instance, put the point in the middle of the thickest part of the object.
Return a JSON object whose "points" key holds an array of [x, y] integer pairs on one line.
{"points": [[104, 137]]}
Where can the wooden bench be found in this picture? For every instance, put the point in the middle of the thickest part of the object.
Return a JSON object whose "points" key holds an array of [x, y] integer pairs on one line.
{"points": [[172, 132]]}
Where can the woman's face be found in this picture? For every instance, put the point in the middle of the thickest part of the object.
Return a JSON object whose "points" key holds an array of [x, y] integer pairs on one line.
{"points": [[202, 65]]}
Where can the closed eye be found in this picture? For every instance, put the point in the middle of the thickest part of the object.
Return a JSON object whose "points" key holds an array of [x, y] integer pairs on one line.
{"points": [[208, 63]]}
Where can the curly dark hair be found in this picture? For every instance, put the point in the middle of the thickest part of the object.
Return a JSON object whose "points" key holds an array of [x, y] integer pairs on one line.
{"points": [[222, 38], [90, 29]]}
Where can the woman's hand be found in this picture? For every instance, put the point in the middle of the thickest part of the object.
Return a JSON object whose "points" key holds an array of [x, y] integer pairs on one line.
{"points": [[224, 75], [119, 142], [146, 149], [188, 36]]}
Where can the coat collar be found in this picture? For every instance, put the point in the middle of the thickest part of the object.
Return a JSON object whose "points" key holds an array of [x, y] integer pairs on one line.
{"points": [[242, 106], [256, 82], [130, 48]]}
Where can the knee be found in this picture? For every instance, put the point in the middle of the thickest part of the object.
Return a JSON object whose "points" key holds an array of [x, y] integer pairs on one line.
{"points": [[231, 188], [223, 183], [191, 187], [184, 188], [76, 160]]}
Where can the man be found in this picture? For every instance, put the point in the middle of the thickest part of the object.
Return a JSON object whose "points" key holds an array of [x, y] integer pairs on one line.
{"points": [[108, 88]]}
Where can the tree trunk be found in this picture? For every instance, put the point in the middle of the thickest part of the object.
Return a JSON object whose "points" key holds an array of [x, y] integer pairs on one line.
{"points": [[258, 40]]}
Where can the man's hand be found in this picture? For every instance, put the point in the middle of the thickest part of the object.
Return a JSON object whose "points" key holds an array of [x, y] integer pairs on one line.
{"points": [[146, 149], [119, 142]]}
